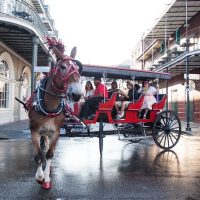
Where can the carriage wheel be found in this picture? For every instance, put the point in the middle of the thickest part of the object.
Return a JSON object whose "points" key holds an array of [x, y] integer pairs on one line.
{"points": [[166, 129], [101, 136], [134, 130]]}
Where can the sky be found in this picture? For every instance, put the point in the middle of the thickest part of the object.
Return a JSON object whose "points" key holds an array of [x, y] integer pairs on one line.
{"points": [[104, 31]]}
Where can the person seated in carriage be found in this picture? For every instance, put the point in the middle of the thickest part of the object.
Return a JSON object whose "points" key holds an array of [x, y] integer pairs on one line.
{"points": [[89, 90], [114, 88], [128, 98], [149, 99], [91, 104]]}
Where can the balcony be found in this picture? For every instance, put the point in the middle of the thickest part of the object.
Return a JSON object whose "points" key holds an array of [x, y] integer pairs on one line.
{"points": [[19, 22], [48, 22], [175, 50], [38, 4], [24, 11], [151, 49]]}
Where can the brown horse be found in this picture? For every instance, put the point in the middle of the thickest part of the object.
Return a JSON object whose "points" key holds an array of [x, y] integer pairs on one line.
{"points": [[46, 108]]}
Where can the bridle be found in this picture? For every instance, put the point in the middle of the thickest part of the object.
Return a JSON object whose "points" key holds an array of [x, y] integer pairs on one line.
{"points": [[74, 68]]}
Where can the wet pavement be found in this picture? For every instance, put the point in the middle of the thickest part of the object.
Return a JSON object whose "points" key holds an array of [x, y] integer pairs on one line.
{"points": [[126, 170]]}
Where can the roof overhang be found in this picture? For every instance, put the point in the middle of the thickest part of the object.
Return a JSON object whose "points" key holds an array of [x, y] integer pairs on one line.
{"points": [[174, 17], [121, 73], [19, 39]]}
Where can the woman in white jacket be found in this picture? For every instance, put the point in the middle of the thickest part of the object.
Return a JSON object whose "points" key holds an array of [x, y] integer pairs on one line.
{"points": [[149, 99]]}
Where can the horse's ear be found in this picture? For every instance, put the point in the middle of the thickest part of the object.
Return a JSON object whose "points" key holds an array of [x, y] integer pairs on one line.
{"points": [[73, 53]]}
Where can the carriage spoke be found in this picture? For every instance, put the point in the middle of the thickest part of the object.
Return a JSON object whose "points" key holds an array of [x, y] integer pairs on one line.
{"points": [[172, 120], [171, 125], [173, 136], [161, 134], [171, 139], [160, 127], [165, 140], [162, 138], [163, 119], [175, 128]]}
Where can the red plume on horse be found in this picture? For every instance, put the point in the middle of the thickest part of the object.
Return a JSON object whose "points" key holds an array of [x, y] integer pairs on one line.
{"points": [[46, 107]]}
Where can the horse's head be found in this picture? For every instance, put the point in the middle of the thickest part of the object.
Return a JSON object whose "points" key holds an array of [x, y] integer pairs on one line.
{"points": [[67, 75]]}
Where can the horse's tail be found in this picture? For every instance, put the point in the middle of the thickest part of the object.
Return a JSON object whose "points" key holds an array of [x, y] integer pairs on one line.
{"points": [[24, 104]]}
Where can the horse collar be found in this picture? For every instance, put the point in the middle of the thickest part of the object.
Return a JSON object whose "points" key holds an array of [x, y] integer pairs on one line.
{"points": [[39, 104]]}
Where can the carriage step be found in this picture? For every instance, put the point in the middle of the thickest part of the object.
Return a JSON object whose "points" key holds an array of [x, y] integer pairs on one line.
{"points": [[79, 130], [135, 138]]}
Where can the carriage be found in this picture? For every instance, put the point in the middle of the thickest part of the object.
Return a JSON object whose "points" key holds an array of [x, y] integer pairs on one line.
{"points": [[47, 110], [163, 124]]}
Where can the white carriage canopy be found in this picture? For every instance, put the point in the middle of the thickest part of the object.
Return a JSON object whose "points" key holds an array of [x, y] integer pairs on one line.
{"points": [[118, 72]]}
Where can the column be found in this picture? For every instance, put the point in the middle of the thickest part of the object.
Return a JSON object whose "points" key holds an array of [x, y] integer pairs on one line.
{"points": [[35, 41]]}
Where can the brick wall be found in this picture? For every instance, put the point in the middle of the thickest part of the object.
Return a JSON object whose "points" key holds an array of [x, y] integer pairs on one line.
{"points": [[194, 97]]}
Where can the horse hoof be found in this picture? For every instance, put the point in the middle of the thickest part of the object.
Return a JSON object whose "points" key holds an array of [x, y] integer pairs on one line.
{"points": [[40, 181], [46, 185]]}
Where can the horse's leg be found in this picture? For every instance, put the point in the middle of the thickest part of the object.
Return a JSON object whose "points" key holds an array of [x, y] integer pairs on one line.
{"points": [[49, 156], [39, 157]]}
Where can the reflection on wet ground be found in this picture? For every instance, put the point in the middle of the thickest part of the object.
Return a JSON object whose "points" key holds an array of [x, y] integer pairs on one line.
{"points": [[140, 170]]}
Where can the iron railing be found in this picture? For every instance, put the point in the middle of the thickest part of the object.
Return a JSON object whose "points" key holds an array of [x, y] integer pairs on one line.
{"points": [[23, 10], [173, 50]]}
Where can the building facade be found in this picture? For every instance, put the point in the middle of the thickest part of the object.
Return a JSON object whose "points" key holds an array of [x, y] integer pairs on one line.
{"points": [[173, 45], [24, 25]]}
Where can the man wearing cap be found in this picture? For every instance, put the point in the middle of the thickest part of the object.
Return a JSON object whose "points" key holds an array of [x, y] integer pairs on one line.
{"points": [[91, 104]]}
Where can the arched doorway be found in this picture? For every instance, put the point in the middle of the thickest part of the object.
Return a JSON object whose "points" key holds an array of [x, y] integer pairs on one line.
{"points": [[7, 77]]}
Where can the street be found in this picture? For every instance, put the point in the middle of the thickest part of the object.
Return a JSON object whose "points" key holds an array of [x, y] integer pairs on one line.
{"points": [[126, 170]]}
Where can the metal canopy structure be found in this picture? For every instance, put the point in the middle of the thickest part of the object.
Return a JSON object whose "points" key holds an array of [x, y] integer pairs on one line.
{"points": [[173, 18], [177, 66], [122, 73]]}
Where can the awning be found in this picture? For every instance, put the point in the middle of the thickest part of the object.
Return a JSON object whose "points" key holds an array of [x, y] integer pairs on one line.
{"points": [[122, 73], [173, 18]]}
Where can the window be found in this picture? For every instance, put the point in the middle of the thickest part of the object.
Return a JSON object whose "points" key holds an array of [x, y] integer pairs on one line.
{"points": [[4, 86]]}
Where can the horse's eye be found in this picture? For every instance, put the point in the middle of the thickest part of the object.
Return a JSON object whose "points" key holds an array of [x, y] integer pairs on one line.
{"points": [[63, 67]]}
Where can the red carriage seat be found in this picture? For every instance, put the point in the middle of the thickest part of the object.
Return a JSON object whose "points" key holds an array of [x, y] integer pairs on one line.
{"points": [[136, 105], [109, 104], [161, 100], [104, 108]]}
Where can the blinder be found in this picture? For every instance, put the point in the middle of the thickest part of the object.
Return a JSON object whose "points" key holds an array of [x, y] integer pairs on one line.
{"points": [[79, 65]]}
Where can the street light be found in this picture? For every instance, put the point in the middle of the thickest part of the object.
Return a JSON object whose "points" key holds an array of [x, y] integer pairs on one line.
{"points": [[21, 80]]}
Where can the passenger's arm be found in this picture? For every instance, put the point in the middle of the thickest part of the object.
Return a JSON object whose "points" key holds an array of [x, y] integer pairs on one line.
{"points": [[123, 94]]}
